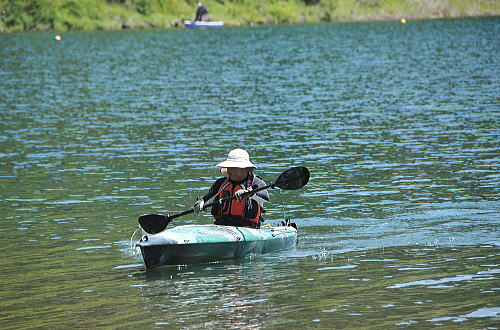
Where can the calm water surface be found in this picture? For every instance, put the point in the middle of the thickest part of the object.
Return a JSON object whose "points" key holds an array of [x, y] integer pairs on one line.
{"points": [[398, 124]]}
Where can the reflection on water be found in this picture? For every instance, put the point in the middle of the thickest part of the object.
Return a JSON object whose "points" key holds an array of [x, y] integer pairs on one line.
{"points": [[398, 124], [390, 287]]}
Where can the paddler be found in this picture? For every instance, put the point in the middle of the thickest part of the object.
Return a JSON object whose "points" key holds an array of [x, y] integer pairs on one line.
{"points": [[246, 209], [201, 13]]}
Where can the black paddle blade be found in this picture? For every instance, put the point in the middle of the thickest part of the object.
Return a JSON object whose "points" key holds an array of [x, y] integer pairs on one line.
{"points": [[153, 223], [293, 178]]}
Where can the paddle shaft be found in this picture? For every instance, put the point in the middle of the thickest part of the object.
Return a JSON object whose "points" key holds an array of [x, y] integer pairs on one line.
{"points": [[291, 179]]}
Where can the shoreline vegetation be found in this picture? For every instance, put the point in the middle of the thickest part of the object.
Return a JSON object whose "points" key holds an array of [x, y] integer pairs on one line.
{"points": [[88, 15]]}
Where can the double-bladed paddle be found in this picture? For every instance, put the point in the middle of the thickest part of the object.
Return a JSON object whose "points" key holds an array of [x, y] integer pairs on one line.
{"points": [[292, 179]]}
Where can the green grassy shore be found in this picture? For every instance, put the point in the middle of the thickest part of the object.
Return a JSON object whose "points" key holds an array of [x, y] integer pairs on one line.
{"points": [[74, 15]]}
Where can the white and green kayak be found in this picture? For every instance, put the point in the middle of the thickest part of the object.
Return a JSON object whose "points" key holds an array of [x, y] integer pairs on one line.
{"points": [[190, 244]]}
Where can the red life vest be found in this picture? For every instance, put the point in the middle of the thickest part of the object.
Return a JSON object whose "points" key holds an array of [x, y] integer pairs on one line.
{"points": [[235, 207]]}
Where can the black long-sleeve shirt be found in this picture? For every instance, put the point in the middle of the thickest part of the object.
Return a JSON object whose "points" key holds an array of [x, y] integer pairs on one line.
{"points": [[257, 182], [252, 206], [200, 12]]}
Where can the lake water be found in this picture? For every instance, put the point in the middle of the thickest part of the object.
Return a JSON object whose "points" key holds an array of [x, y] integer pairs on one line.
{"points": [[398, 124]]}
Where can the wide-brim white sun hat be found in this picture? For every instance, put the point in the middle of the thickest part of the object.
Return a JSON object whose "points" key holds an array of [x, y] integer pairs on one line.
{"points": [[237, 158]]}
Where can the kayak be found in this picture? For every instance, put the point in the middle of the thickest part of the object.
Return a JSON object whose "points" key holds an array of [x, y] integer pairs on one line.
{"points": [[202, 25], [189, 244]]}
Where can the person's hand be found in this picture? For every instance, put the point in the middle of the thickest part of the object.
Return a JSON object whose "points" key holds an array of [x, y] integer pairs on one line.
{"points": [[239, 194], [198, 206]]}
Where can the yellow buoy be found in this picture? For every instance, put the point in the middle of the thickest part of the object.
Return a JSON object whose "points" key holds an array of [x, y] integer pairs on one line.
{"points": [[403, 20], [58, 38]]}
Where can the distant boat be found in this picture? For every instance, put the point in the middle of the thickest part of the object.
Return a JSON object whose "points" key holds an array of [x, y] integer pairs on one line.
{"points": [[202, 25]]}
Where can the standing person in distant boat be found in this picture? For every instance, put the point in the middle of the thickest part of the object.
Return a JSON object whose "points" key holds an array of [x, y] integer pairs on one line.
{"points": [[247, 208], [201, 13]]}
